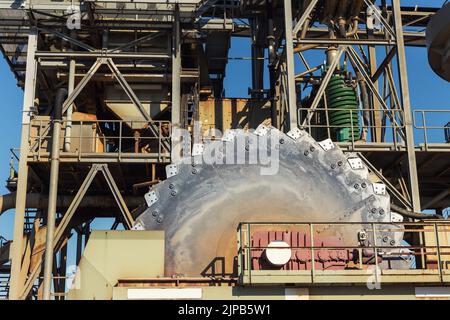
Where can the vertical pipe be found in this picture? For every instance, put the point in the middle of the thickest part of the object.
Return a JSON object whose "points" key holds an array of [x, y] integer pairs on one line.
{"points": [[53, 193], [17, 278], [272, 57], [79, 246], [375, 250], [71, 86], [62, 272], [331, 50], [289, 51], [176, 88], [257, 58], [404, 89], [438, 253]]}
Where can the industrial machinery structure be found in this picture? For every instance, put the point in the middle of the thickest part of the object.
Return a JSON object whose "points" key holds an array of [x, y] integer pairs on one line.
{"points": [[312, 187]]}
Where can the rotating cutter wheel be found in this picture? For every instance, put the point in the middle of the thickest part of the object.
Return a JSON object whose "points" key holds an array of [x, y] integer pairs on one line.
{"points": [[263, 175]]}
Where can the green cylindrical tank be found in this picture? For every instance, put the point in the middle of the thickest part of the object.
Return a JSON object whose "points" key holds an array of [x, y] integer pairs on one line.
{"points": [[344, 121]]}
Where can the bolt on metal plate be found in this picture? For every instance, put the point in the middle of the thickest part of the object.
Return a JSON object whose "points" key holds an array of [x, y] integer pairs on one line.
{"points": [[295, 133], [197, 149], [326, 144], [262, 130], [150, 198], [171, 170], [395, 217], [138, 226], [355, 163], [379, 188], [229, 136]]}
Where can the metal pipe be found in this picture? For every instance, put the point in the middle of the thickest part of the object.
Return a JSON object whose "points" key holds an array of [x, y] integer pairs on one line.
{"points": [[53, 193], [71, 86], [340, 16], [439, 197], [332, 50], [414, 215], [354, 29], [303, 47], [272, 59], [257, 52]]}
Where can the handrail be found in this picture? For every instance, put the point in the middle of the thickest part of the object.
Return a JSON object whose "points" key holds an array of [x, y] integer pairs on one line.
{"points": [[437, 251], [117, 137], [325, 124], [434, 129]]}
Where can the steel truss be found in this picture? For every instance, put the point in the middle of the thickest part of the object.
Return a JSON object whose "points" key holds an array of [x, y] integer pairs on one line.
{"points": [[158, 33]]}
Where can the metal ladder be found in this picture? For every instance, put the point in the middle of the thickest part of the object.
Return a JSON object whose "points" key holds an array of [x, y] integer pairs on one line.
{"points": [[5, 274], [30, 216]]}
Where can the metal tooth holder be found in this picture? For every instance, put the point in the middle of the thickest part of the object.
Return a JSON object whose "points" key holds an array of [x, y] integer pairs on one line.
{"points": [[326, 144], [151, 198], [379, 188], [229, 136], [262, 130], [295, 133], [197, 149], [355, 163], [171, 170], [138, 226]]}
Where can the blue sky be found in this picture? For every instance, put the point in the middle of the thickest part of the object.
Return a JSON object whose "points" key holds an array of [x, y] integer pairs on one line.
{"points": [[427, 90]]}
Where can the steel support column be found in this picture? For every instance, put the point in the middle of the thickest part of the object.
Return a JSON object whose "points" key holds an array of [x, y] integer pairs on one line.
{"points": [[176, 89], [52, 196], [403, 78], [65, 221], [289, 51], [17, 278]]}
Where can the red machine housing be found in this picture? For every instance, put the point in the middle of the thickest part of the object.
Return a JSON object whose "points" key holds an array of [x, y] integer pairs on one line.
{"points": [[299, 242]]}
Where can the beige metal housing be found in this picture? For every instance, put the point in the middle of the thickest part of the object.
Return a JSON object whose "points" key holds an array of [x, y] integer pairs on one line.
{"points": [[113, 255]]}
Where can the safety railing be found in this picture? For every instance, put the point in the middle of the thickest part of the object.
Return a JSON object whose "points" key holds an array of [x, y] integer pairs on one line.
{"points": [[102, 140], [432, 128], [318, 255], [355, 128]]}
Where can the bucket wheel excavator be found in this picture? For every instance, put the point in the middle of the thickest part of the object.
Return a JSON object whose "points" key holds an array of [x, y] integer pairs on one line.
{"points": [[260, 176]]}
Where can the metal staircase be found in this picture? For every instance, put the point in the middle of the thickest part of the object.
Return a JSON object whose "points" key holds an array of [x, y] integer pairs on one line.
{"points": [[4, 268], [4, 286]]}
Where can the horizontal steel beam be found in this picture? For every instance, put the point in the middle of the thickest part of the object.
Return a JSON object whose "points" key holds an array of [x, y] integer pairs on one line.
{"points": [[323, 41], [101, 54]]}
